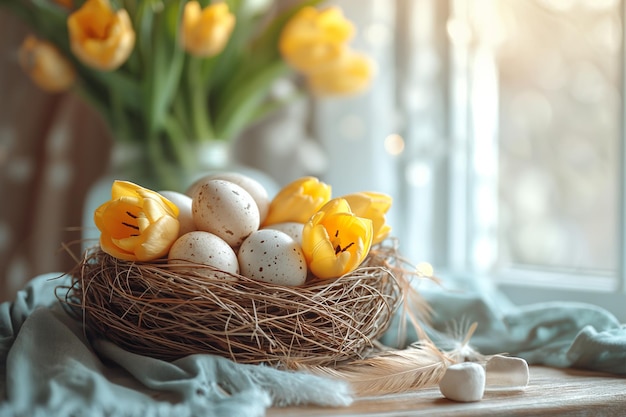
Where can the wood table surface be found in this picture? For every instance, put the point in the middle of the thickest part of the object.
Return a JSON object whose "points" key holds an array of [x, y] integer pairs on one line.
{"points": [[550, 392]]}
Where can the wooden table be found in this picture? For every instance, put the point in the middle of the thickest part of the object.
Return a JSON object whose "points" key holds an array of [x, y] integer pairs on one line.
{"points": [[553, 392]]}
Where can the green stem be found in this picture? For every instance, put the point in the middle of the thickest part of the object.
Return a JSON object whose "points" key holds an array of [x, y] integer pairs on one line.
{"points": [[182, 113], [199, 107], [119, 123], [177, 138], [159, 169]]}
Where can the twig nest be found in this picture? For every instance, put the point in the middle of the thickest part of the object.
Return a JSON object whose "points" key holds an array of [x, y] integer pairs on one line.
{"points": [[463, 382], [156, 310]]}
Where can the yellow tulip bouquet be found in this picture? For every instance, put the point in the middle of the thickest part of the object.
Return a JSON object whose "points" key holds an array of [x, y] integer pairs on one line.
{"points": [[301, 278], [171, 73]]}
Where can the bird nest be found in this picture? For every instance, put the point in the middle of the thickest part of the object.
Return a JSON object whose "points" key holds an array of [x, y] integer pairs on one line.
{"points": [[149, 309]]}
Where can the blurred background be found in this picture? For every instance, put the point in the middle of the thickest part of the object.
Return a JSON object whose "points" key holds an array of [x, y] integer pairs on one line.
{"points": [[496, 126]]}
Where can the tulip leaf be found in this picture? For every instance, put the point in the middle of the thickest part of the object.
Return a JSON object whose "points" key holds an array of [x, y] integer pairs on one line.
{"points": [[262, 52], [240, 107], [168, 61]]}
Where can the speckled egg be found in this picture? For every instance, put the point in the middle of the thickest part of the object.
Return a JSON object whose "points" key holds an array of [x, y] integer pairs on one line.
{"points": [[252, 186], [224, 209], [183, 202], [203, 248], [293, 229], [272, 256]]}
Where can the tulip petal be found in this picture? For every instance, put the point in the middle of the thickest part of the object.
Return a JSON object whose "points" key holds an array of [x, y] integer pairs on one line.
{"points": [[128, 244], [350, 73], [157, 239], [118, 219], [313, 39], [298, 201], [373, 206], [113, 249]]}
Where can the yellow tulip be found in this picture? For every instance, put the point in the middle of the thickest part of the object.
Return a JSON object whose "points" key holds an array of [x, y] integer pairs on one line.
{"points": [[298, 201], [137, 224], [350, 74], [313, 39], [100, 36], [336, 241], [205, 32], [45, 65], [372, 206]]}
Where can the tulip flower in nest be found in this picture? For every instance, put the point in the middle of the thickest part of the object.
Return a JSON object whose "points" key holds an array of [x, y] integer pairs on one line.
{"points": [[335, 241], [137, 224], [298, 201]]}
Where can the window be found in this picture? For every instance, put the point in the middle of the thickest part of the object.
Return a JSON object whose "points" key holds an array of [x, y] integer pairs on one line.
{"points": [[510, 114]]}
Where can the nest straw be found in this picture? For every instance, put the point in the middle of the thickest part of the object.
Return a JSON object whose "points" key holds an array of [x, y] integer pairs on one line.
{"points": [[149, 309]]}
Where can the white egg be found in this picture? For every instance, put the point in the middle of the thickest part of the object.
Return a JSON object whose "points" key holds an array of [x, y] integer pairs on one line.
{"points": [[203, 248], [183, 202], [293, 229], [252, 186], [272, 256], [224, 209]]}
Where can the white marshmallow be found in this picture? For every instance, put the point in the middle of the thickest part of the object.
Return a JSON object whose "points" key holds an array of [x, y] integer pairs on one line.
{"points": [[507, 372], [463, 382]]}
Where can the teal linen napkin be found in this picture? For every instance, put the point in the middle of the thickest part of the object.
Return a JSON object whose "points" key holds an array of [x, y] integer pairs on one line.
{"points": [[559, 334], [50, 369]]}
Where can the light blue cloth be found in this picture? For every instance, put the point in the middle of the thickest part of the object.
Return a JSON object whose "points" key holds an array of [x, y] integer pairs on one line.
{"points": [[49, 369], [559, 334]]}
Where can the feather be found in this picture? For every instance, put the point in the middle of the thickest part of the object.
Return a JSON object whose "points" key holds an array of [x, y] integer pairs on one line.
{"points": [[391, 371]]}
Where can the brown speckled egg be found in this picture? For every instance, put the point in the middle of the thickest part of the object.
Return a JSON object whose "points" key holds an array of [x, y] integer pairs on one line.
{"points": [[272, 256], [206, 249], [224, 209]]}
